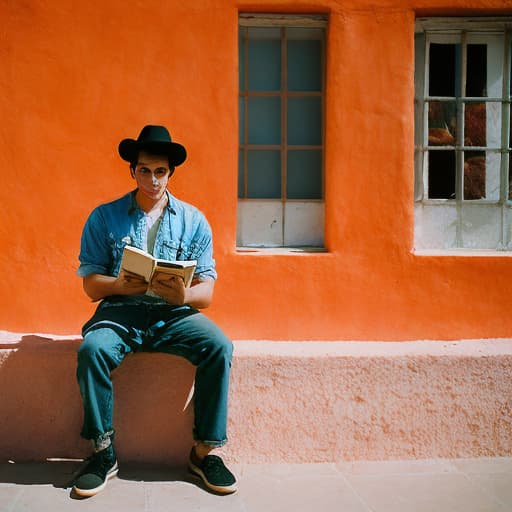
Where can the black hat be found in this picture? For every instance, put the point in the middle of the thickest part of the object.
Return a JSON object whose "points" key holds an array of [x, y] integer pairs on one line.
{"points": [[155, 139]]}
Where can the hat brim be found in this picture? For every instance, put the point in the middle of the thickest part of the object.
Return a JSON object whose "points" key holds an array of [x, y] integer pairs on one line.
{"points": [[129, 150]]}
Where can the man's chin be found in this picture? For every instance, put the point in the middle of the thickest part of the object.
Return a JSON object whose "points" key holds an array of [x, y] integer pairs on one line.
{"points": [[152, 194]]}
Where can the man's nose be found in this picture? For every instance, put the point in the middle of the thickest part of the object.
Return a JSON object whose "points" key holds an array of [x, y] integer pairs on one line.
{"points": [[154, 179]]}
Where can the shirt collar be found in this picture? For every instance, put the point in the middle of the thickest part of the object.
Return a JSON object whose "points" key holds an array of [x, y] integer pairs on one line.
{"points": [[134, 205]]}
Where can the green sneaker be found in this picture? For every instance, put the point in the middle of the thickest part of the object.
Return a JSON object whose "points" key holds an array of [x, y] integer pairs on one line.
{"points": [[93, 478], [214, 473]]}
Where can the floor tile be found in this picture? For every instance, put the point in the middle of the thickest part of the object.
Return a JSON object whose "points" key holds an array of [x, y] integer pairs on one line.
{"points": [[300, 493], [498, 485], [117, 496], [398, 467], [450, 492], [484, 465], [189, 496], [8, 496]]}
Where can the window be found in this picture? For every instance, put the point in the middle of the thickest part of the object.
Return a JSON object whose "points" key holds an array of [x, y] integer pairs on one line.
{"points": [[463, 195], [281, 118]]}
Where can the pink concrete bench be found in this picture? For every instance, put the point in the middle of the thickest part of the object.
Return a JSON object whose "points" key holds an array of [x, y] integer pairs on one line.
{"points": [[289, 401]]}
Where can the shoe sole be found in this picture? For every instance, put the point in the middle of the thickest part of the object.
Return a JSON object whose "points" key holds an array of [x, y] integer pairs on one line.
{"points": [[87, 493], [228, 489]]}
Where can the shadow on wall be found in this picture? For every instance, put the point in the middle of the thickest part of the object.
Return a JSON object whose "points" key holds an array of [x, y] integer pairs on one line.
{"points": [[41, 409]]}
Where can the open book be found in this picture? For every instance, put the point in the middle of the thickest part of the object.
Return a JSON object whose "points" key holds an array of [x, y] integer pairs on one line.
{"points": [[143, 264]]}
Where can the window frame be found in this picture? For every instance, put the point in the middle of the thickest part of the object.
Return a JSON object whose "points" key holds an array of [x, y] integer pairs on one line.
{"points": [[283, 21], [459, 29]]}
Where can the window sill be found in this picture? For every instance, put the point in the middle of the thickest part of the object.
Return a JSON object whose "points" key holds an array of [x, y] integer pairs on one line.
{"points": [[280, 250], [462, 252]]}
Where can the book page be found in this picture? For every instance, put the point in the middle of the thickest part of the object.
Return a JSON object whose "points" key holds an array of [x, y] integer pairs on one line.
{"points": [[137, 261], [183, 269]]}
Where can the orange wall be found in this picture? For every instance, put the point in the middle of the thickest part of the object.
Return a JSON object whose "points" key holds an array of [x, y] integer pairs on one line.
{"points": [[77, 77]]}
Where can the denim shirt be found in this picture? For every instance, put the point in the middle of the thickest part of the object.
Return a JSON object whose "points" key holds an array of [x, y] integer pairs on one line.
{"points": [[184, 234]]}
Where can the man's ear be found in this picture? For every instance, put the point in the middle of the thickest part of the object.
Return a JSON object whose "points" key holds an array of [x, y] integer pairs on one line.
{"points": [[132, 171]]}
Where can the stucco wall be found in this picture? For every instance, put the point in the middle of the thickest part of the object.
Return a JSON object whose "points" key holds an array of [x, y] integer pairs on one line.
{"points": [[78, 77]]}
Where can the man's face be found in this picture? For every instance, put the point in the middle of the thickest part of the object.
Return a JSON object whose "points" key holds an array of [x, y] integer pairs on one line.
{"points": [[152, 174]]}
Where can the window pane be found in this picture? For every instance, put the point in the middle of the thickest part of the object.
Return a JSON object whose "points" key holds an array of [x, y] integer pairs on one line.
{"points": [[241, 58], [442, 123], [305, 121], [264, 120], [476, 74], [264, 174], [493, 175], [264, 59], [475, 120], [481, 226], [260, 223], [304, 174], [435, 226], [474, 175], [482, 124], [241, 178], [304, 66], [444, 72], [441, 174], [304, 223], [493, 123]]}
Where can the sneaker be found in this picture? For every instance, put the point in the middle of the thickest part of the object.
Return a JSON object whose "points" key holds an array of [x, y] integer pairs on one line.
{"points": [[94, 477], [214, 473]]}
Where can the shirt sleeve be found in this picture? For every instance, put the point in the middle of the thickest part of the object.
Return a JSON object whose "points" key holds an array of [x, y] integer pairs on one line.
{"points": [[95, 253], [203, 252]]}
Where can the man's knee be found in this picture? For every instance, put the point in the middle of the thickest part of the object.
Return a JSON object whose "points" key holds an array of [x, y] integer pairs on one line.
{"points": [[100, 344], [221, 346]]}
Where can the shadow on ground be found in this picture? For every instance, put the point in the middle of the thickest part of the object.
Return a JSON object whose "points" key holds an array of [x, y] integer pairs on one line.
{"points": [[61, 474]]}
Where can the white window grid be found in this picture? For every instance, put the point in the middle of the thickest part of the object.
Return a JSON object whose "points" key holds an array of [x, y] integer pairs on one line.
{"points": [[465, 31]]}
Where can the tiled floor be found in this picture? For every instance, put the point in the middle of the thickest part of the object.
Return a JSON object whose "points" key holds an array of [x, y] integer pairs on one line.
{"points": [[467, 485]]}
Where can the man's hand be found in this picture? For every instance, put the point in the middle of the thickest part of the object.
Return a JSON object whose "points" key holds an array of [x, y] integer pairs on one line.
{"points": [[170, 288], [128, 283], [98, 286]]}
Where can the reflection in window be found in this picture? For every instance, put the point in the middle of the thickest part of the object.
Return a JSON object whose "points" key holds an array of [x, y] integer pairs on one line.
{"points": [[442, 123], [474, 175], [475, 120]]}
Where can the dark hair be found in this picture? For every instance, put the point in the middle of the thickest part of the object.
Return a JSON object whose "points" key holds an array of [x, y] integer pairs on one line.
{"points": [[134, 163]]}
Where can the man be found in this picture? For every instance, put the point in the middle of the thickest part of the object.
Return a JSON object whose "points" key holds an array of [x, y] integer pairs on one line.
{"points": [[161, 315]]}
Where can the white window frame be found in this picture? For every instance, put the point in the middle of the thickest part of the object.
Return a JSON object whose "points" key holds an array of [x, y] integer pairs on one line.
{"points": [[296, 224], [461, 216]]}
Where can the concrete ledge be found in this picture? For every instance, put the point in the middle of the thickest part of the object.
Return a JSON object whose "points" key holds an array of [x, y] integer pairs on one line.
{"points": [[289, 402]]}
